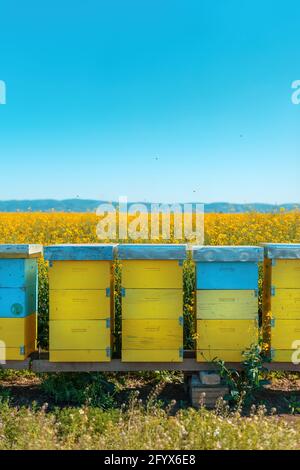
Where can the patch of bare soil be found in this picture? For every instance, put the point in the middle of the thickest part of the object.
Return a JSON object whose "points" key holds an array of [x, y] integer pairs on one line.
{"points": [[282, 393]]}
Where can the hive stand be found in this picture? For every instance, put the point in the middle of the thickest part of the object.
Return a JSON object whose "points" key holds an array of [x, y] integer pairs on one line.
{"points": [[206, 388]]}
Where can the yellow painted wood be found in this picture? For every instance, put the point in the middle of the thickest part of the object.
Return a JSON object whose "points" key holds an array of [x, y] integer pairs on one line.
{"points": [[286, 274], [79, 355], [152, 303], [227, 304], [79, 274], [151, 334], [227, 355], [151, 274], [226, 334], [286, 304], [152, 355], [14, 354], [284, 333], [284, 355], [79, 304], [78, 334], [18, 332], [266, 303]]}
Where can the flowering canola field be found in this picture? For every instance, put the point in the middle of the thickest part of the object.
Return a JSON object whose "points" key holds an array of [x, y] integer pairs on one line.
{"points": [[219, 229]]}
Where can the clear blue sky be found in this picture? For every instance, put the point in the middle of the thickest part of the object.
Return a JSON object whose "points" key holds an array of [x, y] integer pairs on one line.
{"points": [[159, 100]]}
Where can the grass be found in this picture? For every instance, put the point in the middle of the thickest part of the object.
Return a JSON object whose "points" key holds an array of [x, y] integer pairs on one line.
{"points": [[91, 411], [139, 426]]}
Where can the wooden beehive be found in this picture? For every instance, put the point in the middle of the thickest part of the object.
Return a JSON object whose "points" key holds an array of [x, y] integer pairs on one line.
{"points": [[18, 300], [281, 300], [226, 301], [81, 288], [152, 302]]}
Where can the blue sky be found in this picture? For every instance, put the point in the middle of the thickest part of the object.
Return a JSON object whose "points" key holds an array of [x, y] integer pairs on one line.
{"points": [[159, 100]]}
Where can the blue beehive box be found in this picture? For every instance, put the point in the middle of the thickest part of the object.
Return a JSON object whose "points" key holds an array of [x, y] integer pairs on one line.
{"points": [[18, 280], [227, 267]]}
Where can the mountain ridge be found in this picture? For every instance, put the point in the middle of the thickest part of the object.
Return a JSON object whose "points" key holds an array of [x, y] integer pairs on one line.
{"points": [[90, 205]]}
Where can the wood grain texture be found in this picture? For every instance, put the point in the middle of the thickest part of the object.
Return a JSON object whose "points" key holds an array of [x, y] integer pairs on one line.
{"points": [[17, 334], [116, 365], [151, 274], [79, 355], [21, 251], [154, 355], [231, 275], [152, 334], [79, 334], [226, 334], [15, 364], [85, 252], [79, 274], [152, 303], [79, 304], [286, 304], [227, 304], [284, 333], [286, 274], [15, 354], [18, 273], [286, 356], [18, 302], [227, 355]]}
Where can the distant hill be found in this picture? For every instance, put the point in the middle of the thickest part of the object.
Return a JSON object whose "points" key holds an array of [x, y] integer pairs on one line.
{"points": [[90, 205]]}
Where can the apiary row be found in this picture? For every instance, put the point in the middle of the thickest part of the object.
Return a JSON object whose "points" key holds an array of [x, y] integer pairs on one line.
{"points": [[81, 301]]}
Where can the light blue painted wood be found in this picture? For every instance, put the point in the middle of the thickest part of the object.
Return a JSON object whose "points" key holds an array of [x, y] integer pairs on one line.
{"points": [[153, 251], [20, 251], [226, 254], [282, 250], [227, 275], [16, 302], [80, 252], [18, 272]]}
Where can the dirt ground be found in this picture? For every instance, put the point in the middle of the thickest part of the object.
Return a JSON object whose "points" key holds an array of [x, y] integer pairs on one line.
{"points": [[283, 392]]}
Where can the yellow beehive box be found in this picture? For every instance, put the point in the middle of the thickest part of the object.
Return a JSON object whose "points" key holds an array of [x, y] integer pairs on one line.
{"points": [[81, 339], [79, 304], [286, 273], [17, 337], [227, 355], [286, 355], [79, 274], [281, 299], [152, 266], [151, 274], [286, 304], [227, 304], [285, 333], [159, 339], [226, 335], [152, 303], [81, 287], [151, 355], [79, 355]]}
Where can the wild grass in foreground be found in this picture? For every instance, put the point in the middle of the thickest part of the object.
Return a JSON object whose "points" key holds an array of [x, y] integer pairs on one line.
{"points": [[142, 427]]}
